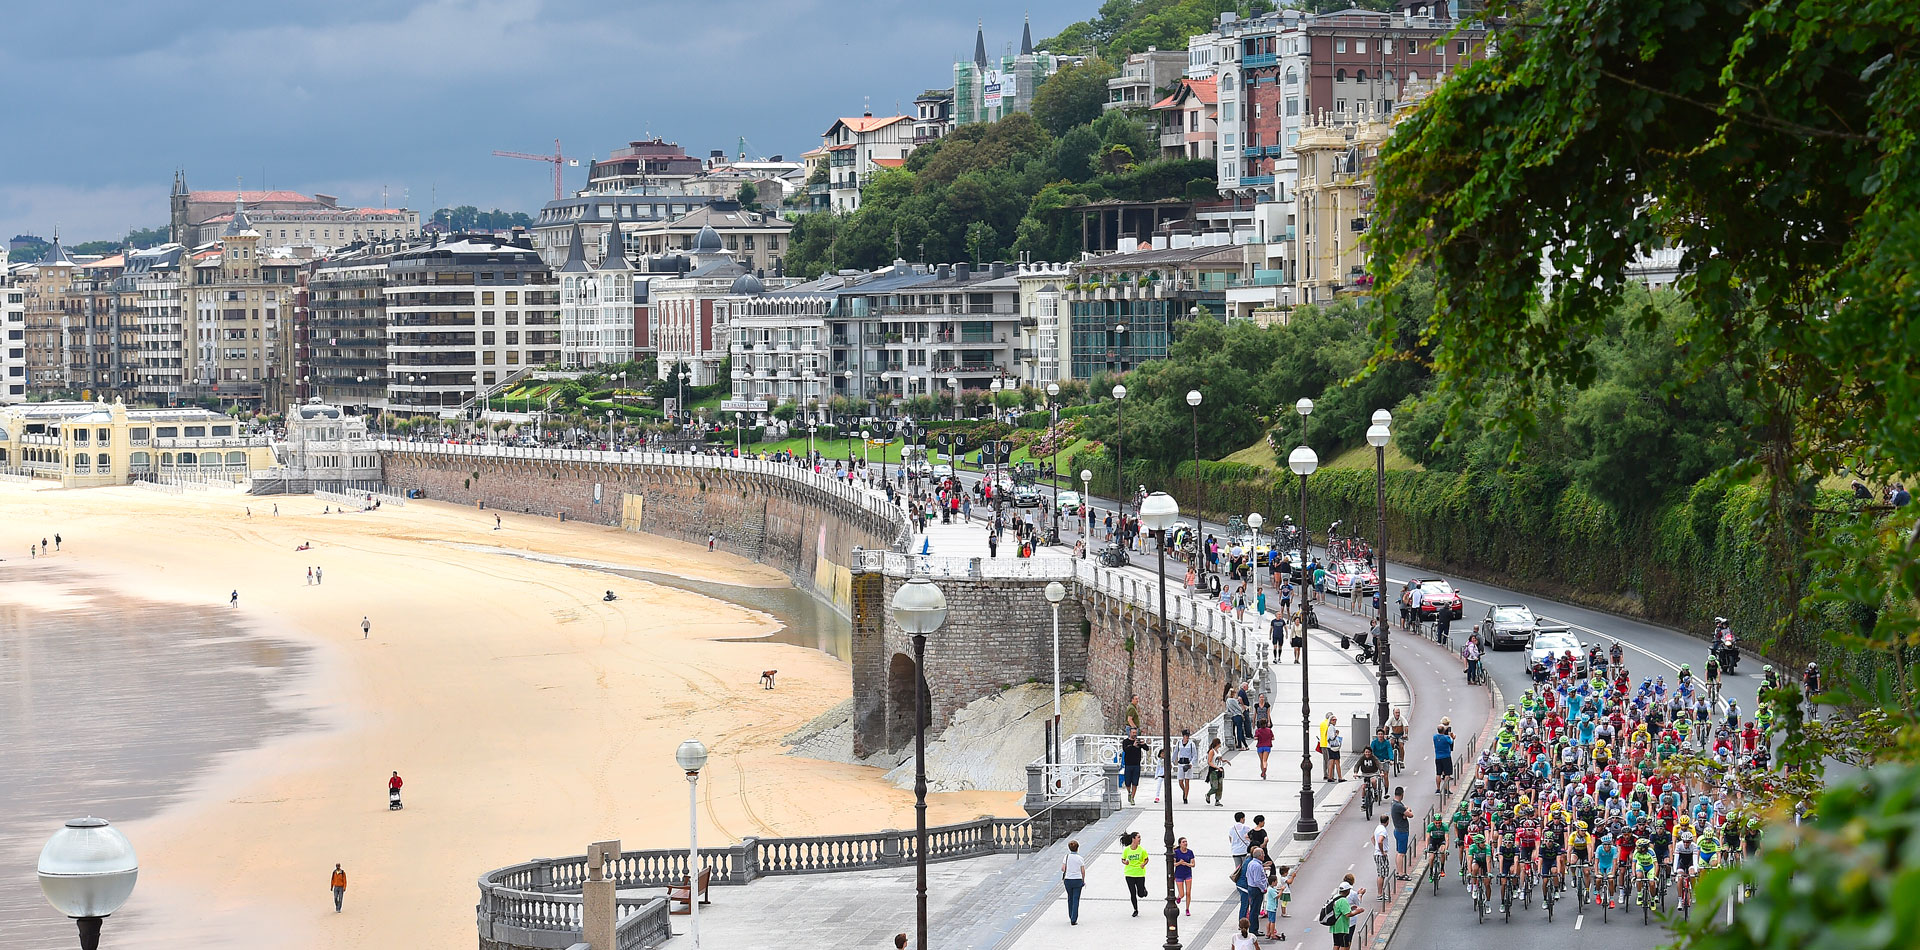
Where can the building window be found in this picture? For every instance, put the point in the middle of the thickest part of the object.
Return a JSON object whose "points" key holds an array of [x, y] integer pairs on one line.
{"points": [[1340, 45], [1386, 47], [1460, 47], [1340, 106], [1359, 46], [1339, 75], [1413, 47]]}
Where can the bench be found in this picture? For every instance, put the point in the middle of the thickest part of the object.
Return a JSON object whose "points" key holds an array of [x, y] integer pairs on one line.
{"points": [[678, 893]]}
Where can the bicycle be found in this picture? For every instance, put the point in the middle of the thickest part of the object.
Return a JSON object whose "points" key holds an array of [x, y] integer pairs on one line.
{"points": [[1646, 889], [1478, 887], [1683, 893], [1366, 799], [1582, 884], [1507, 885], [1437, 869], [1549, 893]]}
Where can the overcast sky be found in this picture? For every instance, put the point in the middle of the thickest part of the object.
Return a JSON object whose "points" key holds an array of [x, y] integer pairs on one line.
{"points": [[101, 101]]}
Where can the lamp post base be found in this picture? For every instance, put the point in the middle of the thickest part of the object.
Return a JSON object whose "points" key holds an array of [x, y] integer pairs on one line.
{"points": [[1306, 829], [89, 932]]}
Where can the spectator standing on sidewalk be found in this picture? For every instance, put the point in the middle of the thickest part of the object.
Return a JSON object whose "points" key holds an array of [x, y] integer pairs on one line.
{"points": [[1344, 910], [1382, 863], [1253, 887], [1402, 827], [1132, 748], [1073, 873], [1334, 742], [1236, 718], [1237, 843], [1442, 754]]}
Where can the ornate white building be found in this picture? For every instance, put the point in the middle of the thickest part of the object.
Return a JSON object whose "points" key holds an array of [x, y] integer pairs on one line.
{"points": [[596, 305]]}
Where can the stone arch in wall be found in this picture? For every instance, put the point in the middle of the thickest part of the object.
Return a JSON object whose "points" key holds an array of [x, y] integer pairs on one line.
{"points": [[900, 690]]}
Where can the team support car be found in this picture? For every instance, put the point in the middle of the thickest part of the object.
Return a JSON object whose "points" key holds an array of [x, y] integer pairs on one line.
{"points": [[1514, 625], [1349, 576], [943, 470], [1548, 646], [1437, 595], [1069, 502], [1027, 496]]}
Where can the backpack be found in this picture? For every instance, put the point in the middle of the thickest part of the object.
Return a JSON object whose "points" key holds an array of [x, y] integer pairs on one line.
{"points": [[1327, 914]]}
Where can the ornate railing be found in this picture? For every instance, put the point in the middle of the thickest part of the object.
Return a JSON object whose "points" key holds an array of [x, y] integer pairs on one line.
{"points": [[538, 903], [851, 493]]}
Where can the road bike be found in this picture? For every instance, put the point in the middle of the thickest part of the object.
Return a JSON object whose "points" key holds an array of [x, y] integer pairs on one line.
{"points": [[1437, 868], [1507, 886], [1650, 890], [1478, 888], [1527, 881], [1366, 798], [1683, 892], [1582, 884]]}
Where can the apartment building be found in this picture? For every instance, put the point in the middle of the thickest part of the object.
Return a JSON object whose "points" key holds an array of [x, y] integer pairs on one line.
{"points": [[692, 310], [346, 328], [102, 328], [1040, 359], [157, 277], [1122, 307], [45, 285], [13, 338], [595, 215], [464, 315], [756, 239], [1188, 120], [1145, 78], [646, 167], [283, 217], [597, 323], [1333, 205], [934, 116], [859, 146], [234, 310]]}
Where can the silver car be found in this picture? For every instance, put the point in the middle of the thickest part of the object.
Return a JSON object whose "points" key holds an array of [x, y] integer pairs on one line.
{"points": [[1513, 625], [1548, 646]]}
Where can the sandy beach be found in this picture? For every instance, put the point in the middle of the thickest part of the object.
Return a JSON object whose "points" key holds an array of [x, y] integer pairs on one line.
{"points": [[527, 716]]}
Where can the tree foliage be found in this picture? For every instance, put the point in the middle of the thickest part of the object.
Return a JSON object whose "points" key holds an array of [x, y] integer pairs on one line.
{"points": [[1075, 95], [1131, 26], [470, 218]]}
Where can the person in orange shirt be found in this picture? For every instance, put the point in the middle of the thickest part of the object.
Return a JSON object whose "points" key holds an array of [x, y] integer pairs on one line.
{"points": [[339, 885]]}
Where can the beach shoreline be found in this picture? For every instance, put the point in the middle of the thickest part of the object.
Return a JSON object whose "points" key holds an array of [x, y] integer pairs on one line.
{"points": [[528, 716]]}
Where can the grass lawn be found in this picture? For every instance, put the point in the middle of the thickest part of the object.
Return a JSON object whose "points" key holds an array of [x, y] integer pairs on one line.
{"points": [[1360, 456]]}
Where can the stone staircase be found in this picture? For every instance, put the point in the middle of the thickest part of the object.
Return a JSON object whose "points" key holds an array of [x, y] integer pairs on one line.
{"points": [[996, 910]]}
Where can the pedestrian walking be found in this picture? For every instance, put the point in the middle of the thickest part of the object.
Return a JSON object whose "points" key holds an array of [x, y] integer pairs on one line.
{"points": [[233, 600], [43, 545], [1236, 718], [1188, 755], [1237, 839], [366, 627], [309, 575], [276, 509], [319, 577], [1382, 862], [56, 543], [710, 540], [496, 522], [1073, 874], [1131, 749], [1133, 864], [339, 885], [1216, 773], [1183, 862], [1263, 744]]}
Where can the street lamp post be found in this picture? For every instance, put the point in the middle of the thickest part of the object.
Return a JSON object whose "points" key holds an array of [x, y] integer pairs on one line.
{"points": [[811, 429], [1053, 464], [1254, 521], [1158, 513], [1056, 592], [1378, 435], [919, 608], [87, 870], [1303, 463], [1086, 515], [692, 756], [1119, 456], [1193, 402]]}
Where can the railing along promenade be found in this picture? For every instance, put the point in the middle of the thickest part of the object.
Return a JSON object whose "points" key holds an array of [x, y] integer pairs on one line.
{"points": [[539, 903]]}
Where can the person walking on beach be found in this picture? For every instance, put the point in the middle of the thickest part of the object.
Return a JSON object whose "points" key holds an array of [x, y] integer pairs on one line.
{"points": [[496, 522], [1073, 873], [1133, 864], [339, 884], [276, 509], [233, 600], [318, 577], [43, 545], [366, 630], [710, 540], [56, 543], [309, 576]]}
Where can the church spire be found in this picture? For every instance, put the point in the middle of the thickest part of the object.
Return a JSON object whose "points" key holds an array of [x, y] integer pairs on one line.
{"points": [[1026, 37], [980, 44]]}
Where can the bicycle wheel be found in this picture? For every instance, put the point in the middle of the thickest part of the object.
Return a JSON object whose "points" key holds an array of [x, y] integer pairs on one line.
{"points": [[1546, 897], [1646, 904]]}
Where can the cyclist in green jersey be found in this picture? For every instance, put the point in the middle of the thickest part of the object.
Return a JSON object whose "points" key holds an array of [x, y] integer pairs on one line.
{"points": [[1478, 856], [1709, 846]]}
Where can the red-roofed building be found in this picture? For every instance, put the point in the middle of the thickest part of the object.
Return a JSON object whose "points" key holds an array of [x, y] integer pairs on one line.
{"points": [[283, 217], [855, 148], [1189, 120]]}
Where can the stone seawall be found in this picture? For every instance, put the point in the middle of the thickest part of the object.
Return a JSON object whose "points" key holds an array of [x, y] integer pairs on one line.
{"points": [[806, 532]]}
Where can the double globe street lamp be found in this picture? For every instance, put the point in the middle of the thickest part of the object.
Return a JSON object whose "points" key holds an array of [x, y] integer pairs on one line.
{"points": [[1304, 462], [920, 608], [87, 870], [1378, 435]]}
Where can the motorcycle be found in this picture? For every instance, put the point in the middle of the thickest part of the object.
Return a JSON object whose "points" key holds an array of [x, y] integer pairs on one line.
{"points": [[1726, 646]]}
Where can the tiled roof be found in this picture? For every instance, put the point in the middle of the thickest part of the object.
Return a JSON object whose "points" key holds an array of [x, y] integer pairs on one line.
{"points": [[839, 148], [890, 162], [1205, 90], [868, 123]]}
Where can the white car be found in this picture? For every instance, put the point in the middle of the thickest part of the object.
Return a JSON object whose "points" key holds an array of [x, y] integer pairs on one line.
{"points": [[943, 470], [1069, 502]]}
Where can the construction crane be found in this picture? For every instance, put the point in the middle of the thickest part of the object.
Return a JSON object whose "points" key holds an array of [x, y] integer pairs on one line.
{"points": [[557, 160]]}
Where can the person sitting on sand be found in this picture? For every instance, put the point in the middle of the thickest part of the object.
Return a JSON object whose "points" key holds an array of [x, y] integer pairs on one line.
{"points": [[609, 596]]}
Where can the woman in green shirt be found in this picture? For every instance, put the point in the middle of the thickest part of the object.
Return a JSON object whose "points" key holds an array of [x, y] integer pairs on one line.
{"points": [[1133, 862]]}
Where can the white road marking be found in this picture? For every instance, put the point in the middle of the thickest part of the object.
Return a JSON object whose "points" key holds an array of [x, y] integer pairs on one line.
{"points": [[1577, 921]]}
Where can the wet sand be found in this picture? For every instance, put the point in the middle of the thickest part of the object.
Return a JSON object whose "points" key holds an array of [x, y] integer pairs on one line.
{"points": [[527, 716]]}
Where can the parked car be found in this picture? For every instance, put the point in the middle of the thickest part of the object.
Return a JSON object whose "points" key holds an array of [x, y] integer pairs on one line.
{"points": [[1548, 646], [1026, 496], [1349, 576], [1436, 595], [1069, 503], [1514, 625]]}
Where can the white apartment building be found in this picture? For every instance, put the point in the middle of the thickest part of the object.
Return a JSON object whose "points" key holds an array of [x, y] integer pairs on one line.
{"points": [[1040, 359], [13, 339], [464, 315], [156, 275], [596, 305], [859, 146]]}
